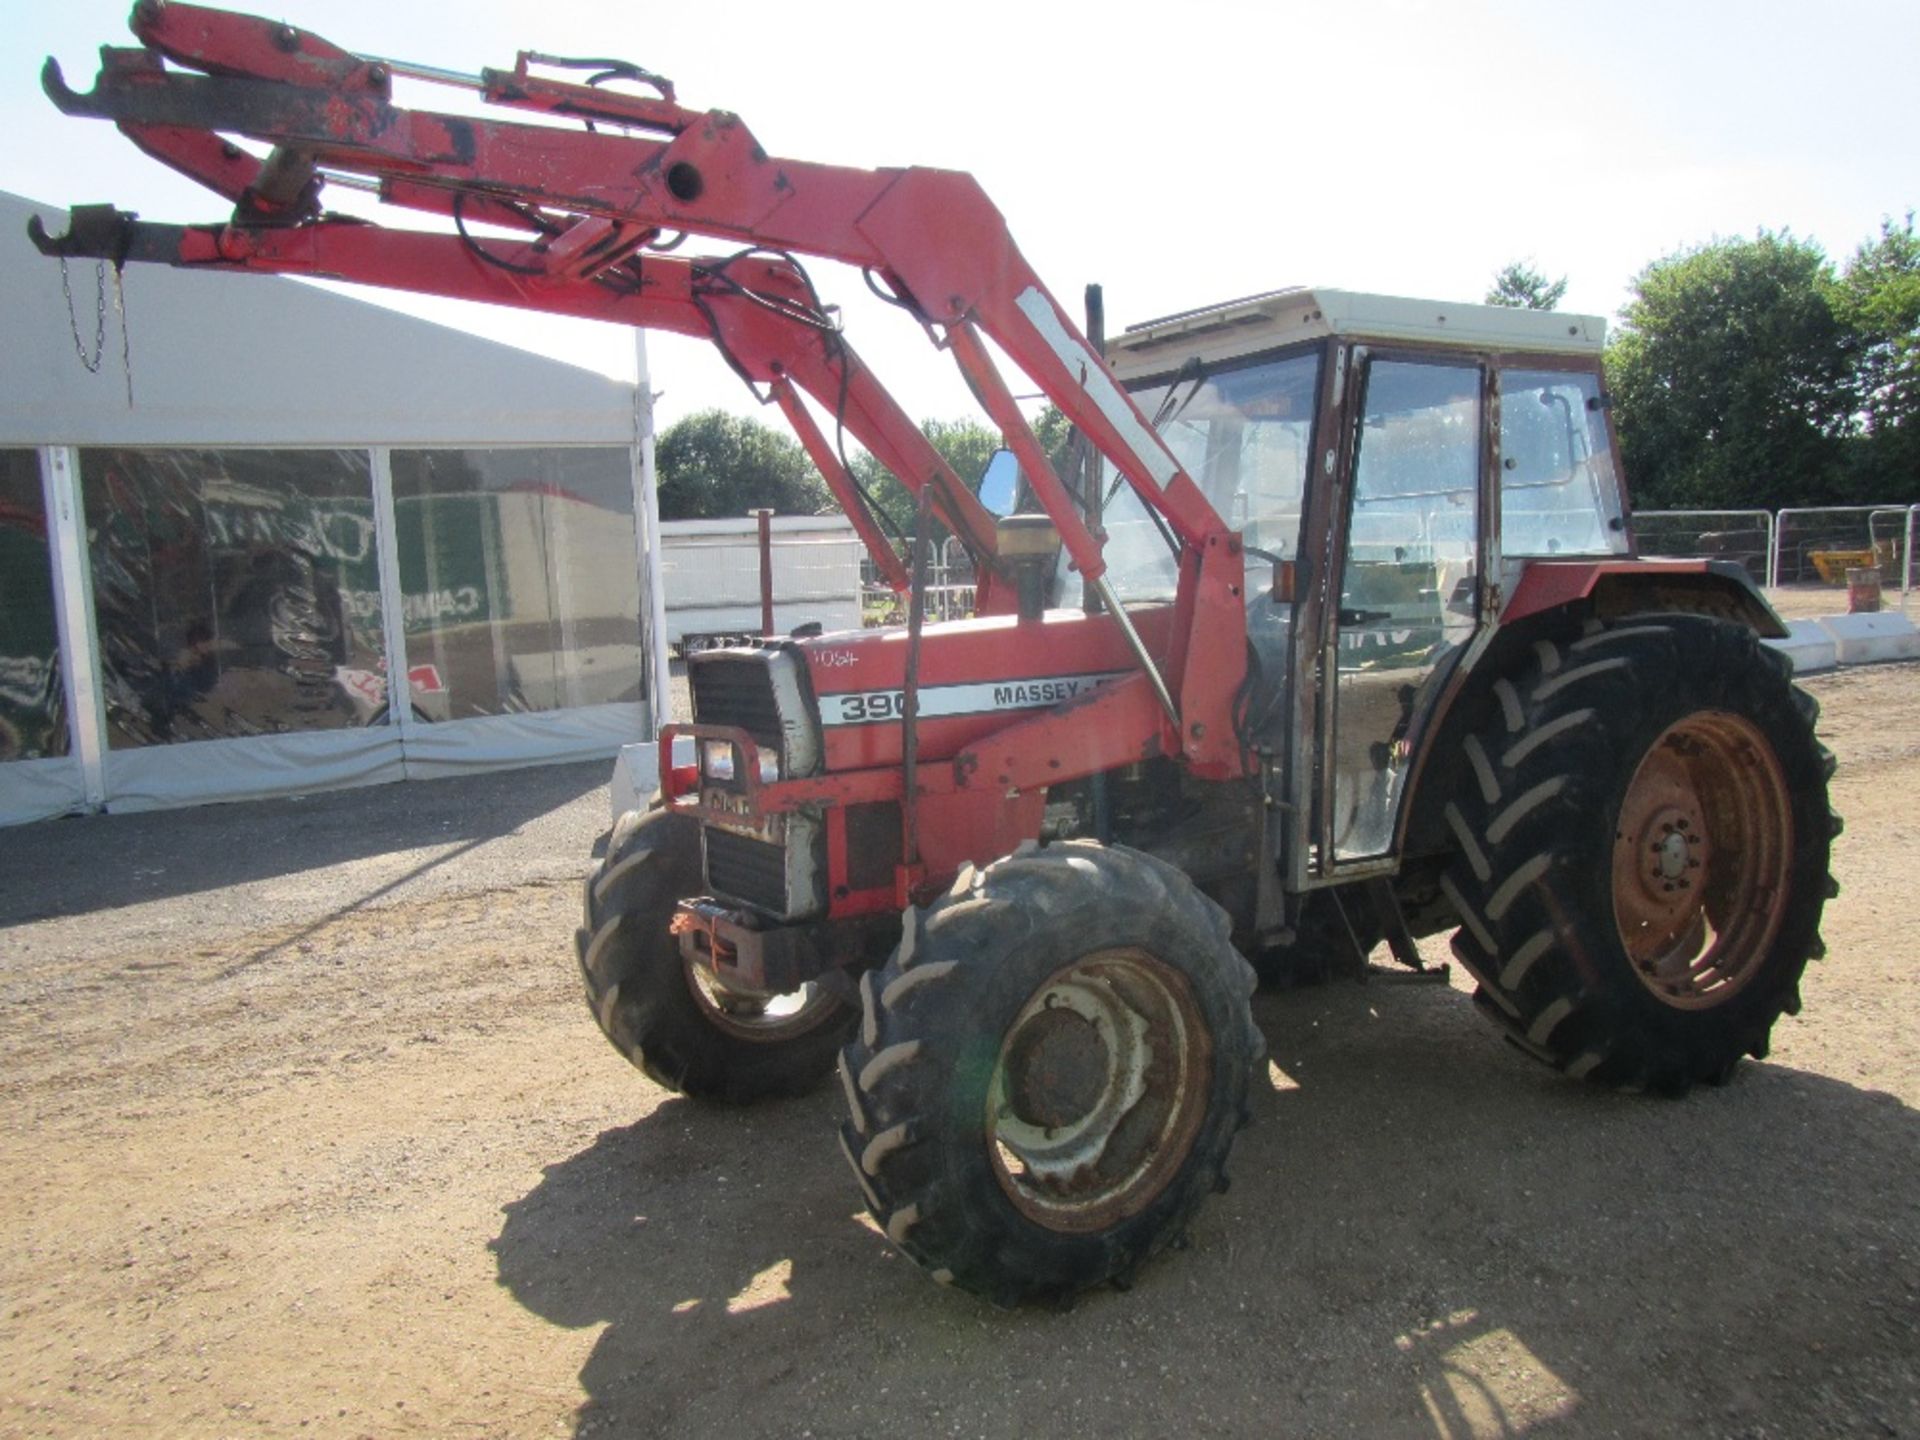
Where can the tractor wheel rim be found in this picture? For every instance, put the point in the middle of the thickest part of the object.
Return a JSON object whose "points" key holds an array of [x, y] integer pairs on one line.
{"points": [[1701, 854], [1100, 1087], [762, 1019]]}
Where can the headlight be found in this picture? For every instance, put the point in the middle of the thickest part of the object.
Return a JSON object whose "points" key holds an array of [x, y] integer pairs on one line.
{"points": [[716, 762]]}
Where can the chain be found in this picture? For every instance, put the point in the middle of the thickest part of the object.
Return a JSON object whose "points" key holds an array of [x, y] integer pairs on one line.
{"points": [[100, 321], [99, 315]]}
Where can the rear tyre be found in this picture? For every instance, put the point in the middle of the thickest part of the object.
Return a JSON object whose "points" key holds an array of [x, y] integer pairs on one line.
{"points": [[1643, 839], [668, 1016], [1050, 1071]]}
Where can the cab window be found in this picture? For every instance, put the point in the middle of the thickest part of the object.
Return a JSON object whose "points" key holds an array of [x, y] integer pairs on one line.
{"points": [[1559, 491]]}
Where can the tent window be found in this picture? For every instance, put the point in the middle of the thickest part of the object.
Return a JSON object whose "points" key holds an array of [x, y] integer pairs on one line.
{"points": [[519, 578], [33, 712], [236, 592]]}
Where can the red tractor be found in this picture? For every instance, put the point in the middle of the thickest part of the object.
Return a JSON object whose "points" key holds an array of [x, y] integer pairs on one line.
{"points": [[1331, 632]]}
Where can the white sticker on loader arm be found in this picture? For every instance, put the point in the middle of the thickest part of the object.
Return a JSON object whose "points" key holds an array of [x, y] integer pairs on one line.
{"points": [[1099, 386], [1039, 692]]}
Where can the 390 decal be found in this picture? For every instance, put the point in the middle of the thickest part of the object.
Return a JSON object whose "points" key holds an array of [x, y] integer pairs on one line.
{"points": [[874, 707]]}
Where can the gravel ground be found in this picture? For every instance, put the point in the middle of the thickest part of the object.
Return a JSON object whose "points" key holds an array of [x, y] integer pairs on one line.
{"points": [[309, 1134]]}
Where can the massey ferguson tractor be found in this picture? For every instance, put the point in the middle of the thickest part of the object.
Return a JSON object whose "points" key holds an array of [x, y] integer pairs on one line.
{"points": [[1329, 632]]}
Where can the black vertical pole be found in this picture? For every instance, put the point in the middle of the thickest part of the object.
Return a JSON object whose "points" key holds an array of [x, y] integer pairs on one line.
{"points": [[1091, 502], [765, 517], [910, 685]]}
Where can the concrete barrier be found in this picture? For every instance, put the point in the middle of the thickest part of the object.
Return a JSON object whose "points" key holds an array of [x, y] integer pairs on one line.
{"points": [[636, 772], [1809, 646], [1865, 639]]}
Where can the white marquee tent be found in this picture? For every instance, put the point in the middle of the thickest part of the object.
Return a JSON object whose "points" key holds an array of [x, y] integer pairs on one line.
{"points": [[311, 543]]}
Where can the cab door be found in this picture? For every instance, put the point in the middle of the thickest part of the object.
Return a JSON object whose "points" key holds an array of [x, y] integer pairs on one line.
{"points": [[1408, 585]]}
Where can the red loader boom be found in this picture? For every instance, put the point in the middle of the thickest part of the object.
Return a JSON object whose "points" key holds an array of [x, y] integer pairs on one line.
{"points": [[598, 202]]}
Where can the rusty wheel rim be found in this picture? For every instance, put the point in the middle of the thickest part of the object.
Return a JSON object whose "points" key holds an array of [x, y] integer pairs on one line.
{"points": [[1701, 853], [1099, 1089], [762, 1019]]}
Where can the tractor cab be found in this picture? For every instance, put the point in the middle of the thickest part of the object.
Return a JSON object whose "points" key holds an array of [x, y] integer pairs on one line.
{"points": [[1420, 452]]}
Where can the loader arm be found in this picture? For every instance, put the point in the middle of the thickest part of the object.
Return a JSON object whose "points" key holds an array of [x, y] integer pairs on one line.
{"points": [[765, 323], [597, 199], [676, 295], [932, 236]]}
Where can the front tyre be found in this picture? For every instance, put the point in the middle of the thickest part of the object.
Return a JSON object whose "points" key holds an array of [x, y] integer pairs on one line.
{"points": [[670, 1017], [1643, 839], [1050, 1071]]}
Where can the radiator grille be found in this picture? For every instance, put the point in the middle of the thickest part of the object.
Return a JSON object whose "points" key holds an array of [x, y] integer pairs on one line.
{"points": [[750, 871], [736, 691]]}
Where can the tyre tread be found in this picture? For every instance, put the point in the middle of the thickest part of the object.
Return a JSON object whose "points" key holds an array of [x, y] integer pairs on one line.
{"points": [[640, 998], [1540, 959], [918, 1030]]}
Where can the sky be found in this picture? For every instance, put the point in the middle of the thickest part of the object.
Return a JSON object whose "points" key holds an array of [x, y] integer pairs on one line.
{"points": [[1178, 154]]}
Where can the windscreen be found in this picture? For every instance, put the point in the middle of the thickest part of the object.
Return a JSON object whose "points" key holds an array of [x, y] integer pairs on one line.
{"points": [[1244, 434]]}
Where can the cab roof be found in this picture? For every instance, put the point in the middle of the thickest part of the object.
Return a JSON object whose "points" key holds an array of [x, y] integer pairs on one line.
{"points": [[1284, 317]]}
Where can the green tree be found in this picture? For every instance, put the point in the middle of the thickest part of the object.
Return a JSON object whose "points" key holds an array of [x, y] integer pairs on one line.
{"points": [[1521, 287], [713, 465], [1733, 377], [966, 445], [1878, 298], [1054, 432]]}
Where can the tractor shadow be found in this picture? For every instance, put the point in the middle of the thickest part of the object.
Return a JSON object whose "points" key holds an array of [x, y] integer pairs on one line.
{"points": [[707, 1241], [1428, 1235]]}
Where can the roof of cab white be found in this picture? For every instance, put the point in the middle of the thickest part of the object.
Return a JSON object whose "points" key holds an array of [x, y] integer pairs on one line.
{"points": [[1283, 317]]}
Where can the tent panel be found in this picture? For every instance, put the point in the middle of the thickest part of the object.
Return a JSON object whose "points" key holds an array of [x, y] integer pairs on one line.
{"points": [[500, 742], [40, 789], [204, 772]]}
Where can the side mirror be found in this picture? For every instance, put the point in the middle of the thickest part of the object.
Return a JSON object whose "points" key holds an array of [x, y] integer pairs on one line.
{"points": [[999, 486]]}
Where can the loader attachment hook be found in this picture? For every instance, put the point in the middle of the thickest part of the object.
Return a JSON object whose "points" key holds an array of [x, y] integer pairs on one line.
{"points": [[94, 232], [65, 98]]}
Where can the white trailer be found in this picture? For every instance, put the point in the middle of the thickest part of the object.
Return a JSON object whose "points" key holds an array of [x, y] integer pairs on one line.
{"points": [[710, 576]]}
